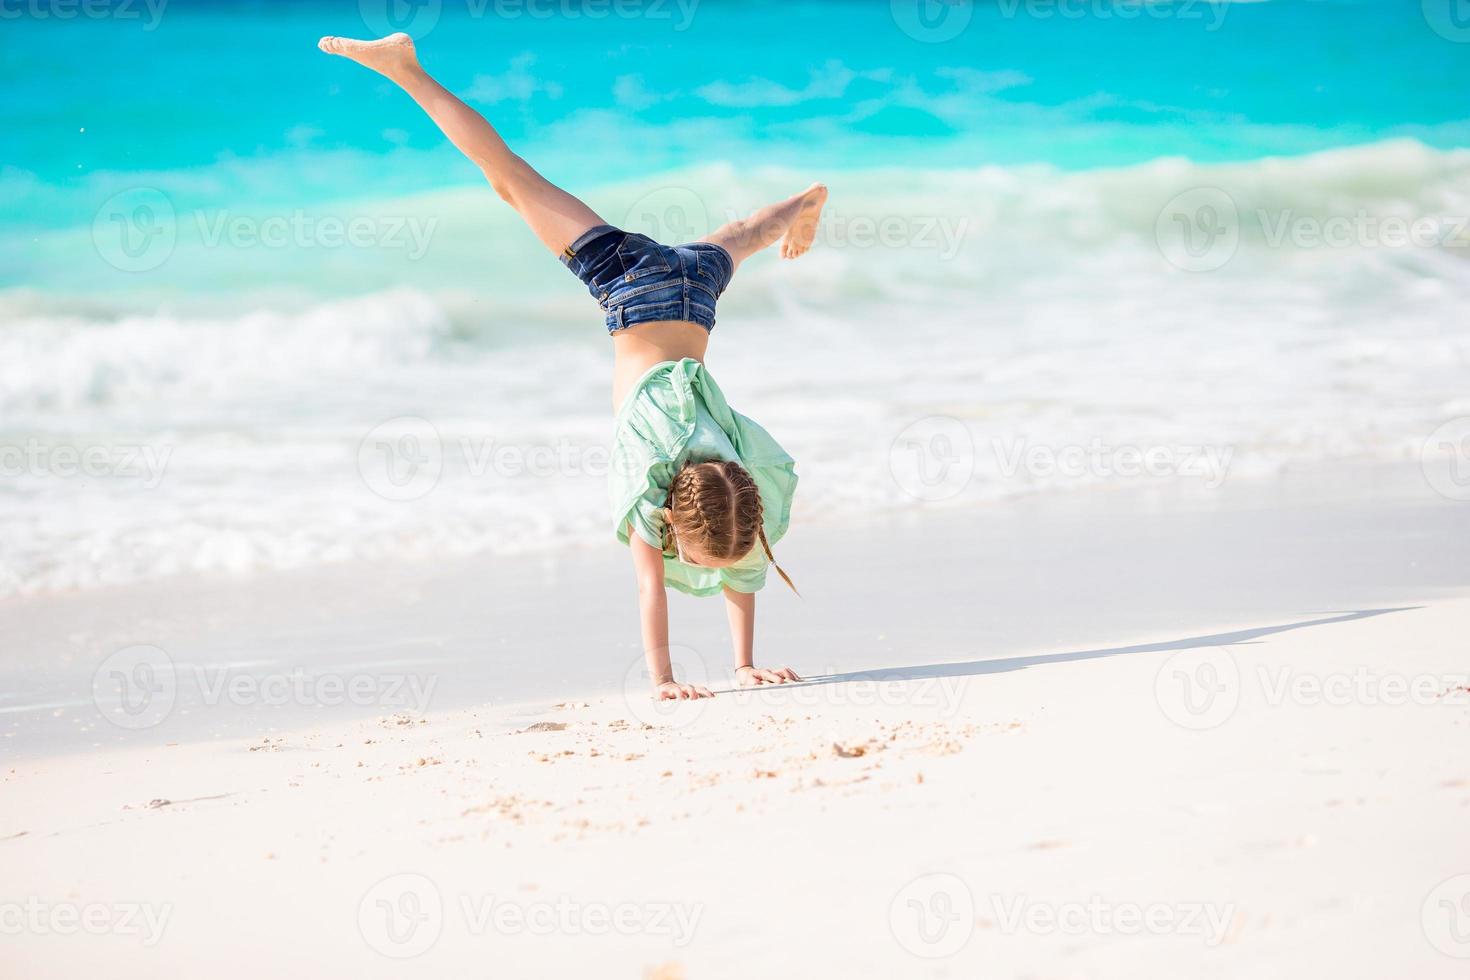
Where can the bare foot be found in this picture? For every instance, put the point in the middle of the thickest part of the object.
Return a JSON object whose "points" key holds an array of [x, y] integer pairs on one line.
{"points": [[803, 230], [391, 56]]}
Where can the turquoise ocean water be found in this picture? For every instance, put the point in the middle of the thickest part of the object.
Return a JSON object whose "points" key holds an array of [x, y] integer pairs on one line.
{"points": [[1228, 225]]}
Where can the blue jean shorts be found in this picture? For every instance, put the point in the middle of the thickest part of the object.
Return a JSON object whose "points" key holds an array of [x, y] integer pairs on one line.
{"points": [[636, 280]]}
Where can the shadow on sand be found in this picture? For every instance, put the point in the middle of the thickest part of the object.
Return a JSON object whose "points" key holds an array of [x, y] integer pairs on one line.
{"points": [[974, 667]]}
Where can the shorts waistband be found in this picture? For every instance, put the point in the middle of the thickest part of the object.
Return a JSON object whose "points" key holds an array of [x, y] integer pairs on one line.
{"points": [[588, 236]]}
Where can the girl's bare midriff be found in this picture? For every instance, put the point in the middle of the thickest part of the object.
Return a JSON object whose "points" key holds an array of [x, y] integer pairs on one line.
{"points": [[641, 346]]}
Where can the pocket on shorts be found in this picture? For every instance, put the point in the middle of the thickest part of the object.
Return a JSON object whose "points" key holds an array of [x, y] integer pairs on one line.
{"points": [[642, 256], [599, 265], [713, 266]]}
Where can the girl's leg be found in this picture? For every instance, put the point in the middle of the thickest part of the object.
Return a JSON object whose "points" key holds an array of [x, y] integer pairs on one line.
{"points": [[555, 216], [794, 220]]}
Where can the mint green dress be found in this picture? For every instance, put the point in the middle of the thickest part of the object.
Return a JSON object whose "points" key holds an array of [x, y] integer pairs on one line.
{"points": [[676, 413]]}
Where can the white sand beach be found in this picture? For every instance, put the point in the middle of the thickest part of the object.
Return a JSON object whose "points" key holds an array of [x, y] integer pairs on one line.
{"points": [[1122, 365], [1236, 754]]}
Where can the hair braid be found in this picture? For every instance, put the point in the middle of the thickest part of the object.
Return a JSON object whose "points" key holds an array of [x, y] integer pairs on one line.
{"points": [[772, 559], [716, 507]]}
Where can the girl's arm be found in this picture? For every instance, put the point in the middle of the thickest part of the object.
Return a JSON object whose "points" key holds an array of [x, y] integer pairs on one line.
{"points": [[653, 619], [740, 609]]}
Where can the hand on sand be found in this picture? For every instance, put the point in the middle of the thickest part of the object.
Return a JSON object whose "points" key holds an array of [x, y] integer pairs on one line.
{"points": [[670, 691], [756, 676]]}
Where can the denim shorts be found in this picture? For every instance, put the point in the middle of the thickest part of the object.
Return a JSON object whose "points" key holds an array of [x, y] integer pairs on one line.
{"points": [[636, 280]]}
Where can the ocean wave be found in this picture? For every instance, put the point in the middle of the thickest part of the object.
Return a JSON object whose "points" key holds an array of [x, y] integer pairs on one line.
{"points": [[1028, 329], [58, 358]]}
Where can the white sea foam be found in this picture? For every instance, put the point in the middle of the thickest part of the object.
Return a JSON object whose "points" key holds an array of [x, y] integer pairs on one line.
{"points": [[1059, 319]]}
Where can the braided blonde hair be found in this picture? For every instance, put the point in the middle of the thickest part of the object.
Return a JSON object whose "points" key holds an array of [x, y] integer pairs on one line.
{"points": [[716, 507]]}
